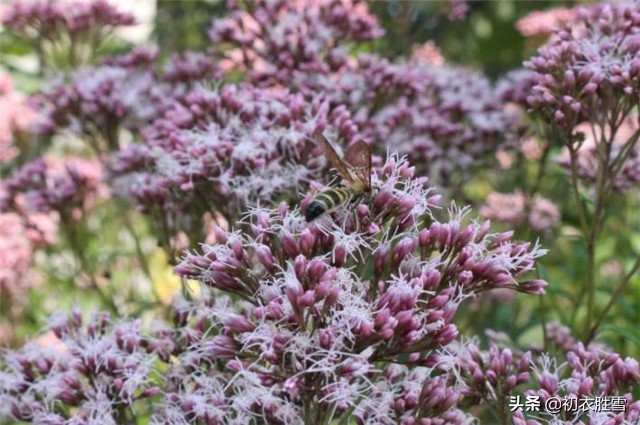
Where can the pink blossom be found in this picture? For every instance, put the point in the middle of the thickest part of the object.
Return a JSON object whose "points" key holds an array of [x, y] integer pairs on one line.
{"points": [[102, 100], [588, 158], [15, 118], [217, 150], [330, 307], [16, 254], [66, 34], [596, 52], [447, 120], [95, 369], [272, 40], [545, 22], [427, 53], [68, 187], [517, 209]]}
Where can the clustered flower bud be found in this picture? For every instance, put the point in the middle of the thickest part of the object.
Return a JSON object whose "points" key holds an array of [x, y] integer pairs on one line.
{"points": [[594, 61], [499, 376], [447, 120], [274, 40], [102, 370], [218, 150], [331, 306], [100, 101], [68, 187]]}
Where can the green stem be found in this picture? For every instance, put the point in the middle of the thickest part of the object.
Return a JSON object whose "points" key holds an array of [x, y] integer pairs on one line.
{"points": [[70, 229], [621, 288]]}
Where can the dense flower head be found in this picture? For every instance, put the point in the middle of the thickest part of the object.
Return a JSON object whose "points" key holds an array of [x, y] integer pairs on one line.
{"points": [[140, 57], [593, 61], [588, 373], [489, 375], [517, 209], [329, 306], [68, 187], [44, 18], [623, 144], [217, 150], [66, 34], [101, 100], [515, 86], [16, 117], [101, 369], [448, 120], [504, 375], [273, 40], [190, 67]]}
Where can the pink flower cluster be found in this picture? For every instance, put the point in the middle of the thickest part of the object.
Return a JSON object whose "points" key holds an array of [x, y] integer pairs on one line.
{"points": [[44, 19], [66, 187], [102, 370], [274, 40], [124, 92], [100, 101], [16, 255], [589, 65], [447, 120], [545, 22], [517, 209], [16, 117], [217, 150], [330, 308], [496, 375]]}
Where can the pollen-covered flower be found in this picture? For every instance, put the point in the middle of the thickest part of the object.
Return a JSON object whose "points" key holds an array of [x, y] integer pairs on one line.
{"points": [[217, 150], [329, 307], [274, 40]]}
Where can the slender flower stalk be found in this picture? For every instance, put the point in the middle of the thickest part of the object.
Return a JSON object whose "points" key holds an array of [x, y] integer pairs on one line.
{"points": [[65, 34]]}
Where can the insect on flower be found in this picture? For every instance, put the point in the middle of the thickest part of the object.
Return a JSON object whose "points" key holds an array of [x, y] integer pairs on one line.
{"points": [[356, 176]]}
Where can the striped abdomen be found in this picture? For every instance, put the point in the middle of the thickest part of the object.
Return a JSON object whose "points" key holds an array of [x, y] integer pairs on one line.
{"points": [[328, 200]]}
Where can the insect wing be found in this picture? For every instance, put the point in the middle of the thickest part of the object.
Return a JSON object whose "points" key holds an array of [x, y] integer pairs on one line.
{"points": [[334, 158], [358, 156]]}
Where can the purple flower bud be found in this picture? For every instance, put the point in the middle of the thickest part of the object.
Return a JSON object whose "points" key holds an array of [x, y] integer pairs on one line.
{"points": [[265, 256], [307, 242]]}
